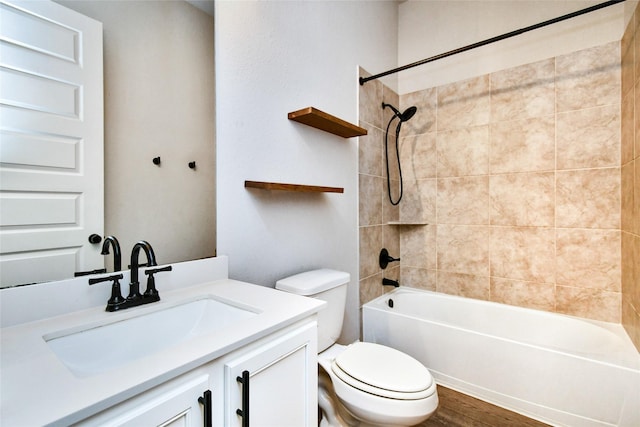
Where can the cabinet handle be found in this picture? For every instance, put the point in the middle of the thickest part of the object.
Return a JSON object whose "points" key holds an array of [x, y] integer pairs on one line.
{"points": [[205, 400], [244, 412]]}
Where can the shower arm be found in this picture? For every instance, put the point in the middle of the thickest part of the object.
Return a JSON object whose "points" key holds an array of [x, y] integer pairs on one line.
{"points": [[510, 34]]}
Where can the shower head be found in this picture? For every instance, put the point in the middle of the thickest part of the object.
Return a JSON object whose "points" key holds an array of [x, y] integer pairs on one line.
{"points": [[405, 115]]}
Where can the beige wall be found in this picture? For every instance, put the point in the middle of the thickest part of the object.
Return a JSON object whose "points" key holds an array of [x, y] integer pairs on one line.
{"points": [[159, 101], [630, 161]]}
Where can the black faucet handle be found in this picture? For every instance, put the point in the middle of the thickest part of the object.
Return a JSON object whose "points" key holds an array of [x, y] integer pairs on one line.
{"points": [[152, 271], [90, 272], [113, 277], [151, 293], [116, 301]]}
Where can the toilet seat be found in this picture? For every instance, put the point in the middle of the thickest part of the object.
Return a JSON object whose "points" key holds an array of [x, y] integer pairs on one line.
{"points": [[383, 371]]}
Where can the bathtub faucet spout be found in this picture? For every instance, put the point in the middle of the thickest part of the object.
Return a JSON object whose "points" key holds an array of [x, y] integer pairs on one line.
{"points": [[389, 282]]}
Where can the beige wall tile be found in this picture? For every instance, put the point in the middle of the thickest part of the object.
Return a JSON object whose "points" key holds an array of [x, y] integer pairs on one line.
{"points": [[425, 119], [627, 135], [540, 296], [464, 104], [523, 92], [419, 201], [523, 253], [588, 138], [390, 147], [523, 145], [636, 54], [391, 241], [389, 212], [525, 199], [636, 196], [588, 78], [370, 288], [627, 62], [388, 97], [631, 323], [626, 216], [369, 104], [418, 156], [634, 294], [629, 265], [588, 198], [463, 249], [370, 245], [370, 199], [588, 259], [463, 152], [370, 151], [418, 247], [590, 303], [464, 285], [418, 278], [463, 200], [636, 127]]}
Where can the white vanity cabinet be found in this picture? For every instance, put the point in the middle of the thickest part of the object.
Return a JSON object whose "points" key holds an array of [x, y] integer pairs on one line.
{"points": [[282, 388]]}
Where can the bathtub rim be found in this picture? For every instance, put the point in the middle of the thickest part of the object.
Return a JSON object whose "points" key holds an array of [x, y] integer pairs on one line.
{"points": [[630, 361]]}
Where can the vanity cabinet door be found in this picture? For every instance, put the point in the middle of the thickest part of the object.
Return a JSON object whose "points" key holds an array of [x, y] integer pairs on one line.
{"points": [[172, 404], [282, 381]]}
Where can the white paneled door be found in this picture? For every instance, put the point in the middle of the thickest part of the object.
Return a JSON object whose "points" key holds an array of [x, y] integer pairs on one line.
{"points": [[51, 142]]}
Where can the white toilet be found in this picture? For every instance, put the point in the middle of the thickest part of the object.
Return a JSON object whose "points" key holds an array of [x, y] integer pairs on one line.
{"points": [[363, 383]]}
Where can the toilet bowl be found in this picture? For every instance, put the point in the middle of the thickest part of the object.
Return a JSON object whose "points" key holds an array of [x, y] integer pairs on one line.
{"points": [[377, 385], [363, 384]]}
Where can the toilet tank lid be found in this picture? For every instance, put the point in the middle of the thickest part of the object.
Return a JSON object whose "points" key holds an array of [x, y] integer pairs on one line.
{"points": [[313, 282]]}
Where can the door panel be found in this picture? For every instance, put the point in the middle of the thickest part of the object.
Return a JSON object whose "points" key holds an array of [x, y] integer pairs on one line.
{"points": [[51, 142]]}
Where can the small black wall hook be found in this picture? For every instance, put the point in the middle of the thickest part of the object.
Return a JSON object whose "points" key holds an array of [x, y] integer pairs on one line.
{"points": [[192, 165], [156, 161]]}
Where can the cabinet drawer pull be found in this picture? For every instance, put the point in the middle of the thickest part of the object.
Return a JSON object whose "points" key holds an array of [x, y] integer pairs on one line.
{"points": [[244, 412], [205, 400]]}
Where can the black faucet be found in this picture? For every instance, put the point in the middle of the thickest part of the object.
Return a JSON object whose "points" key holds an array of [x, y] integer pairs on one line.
{"points": [[117, 256], [134, 286]]}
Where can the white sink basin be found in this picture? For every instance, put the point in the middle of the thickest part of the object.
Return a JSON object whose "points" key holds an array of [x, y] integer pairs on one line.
{"points": [[100, 348]]}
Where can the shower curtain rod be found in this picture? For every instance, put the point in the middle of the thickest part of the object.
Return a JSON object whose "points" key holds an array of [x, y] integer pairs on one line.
{"points": [[363, 80]]}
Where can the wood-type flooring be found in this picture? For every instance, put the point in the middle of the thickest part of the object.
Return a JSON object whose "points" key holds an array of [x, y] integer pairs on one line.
{"points": [[459, 410]]}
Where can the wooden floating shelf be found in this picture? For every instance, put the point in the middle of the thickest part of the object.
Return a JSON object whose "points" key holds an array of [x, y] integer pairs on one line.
{"points": [[292, 187], [320, 120]]}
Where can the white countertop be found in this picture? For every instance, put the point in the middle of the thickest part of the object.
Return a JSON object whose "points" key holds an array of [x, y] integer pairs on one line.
{"points": [[38, 389]]}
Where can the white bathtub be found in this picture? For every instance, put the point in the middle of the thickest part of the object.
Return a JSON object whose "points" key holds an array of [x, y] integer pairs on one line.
{"points": [[558, 369]]}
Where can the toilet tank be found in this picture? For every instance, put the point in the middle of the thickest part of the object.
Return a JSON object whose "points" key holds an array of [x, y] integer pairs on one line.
{"points": [[327, 285]]}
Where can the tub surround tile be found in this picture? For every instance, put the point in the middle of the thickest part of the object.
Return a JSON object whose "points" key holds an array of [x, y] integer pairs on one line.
{"points": [[636, 196], [369, 112], [526, 199], [370, 151], [389, 212], [588, 138], [588, 78], [627, 184], [418, 247], [539, 296], [627, 129], [418, 156], [391, 241], [590, 303], [419, 201], [463, 249], [464, 285], [370, 245], [636, 126], [370, 288], [588, 198], [420, 278], [631, 323], [388, 97], [588, 259], [525, 145], [627, 66], [370, 199], [630, 269], [463, 152], [464, 104], [523, 92], [523, 253], [463, 200], [425, 119]]}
